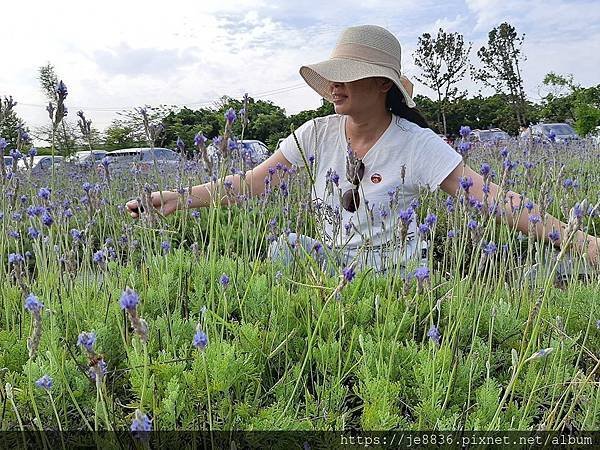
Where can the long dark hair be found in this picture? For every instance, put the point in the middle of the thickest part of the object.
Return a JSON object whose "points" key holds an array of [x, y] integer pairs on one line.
{"points": [[397, 105]]}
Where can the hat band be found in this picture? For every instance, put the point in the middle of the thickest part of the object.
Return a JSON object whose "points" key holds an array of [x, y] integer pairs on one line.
{"points": [[366, 54]]}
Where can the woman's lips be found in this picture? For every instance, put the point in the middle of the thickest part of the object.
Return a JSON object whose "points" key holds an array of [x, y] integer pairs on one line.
{"points": [[337, 98]]}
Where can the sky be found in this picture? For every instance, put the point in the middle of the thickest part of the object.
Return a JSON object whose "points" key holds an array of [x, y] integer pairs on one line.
{"points": [[119, 55]]}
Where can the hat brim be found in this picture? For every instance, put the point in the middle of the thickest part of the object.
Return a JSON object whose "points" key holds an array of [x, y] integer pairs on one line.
{"points": [[342, 70]]}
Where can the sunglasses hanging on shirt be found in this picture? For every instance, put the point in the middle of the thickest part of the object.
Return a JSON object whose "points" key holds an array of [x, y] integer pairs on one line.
{"points": [[355, 170]]}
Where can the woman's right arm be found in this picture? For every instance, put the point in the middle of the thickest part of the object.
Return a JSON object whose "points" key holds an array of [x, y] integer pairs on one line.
{"points": [[202, 194]]}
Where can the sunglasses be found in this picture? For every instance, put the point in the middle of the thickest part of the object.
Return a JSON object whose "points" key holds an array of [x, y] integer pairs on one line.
{"points": [[355, 170]]}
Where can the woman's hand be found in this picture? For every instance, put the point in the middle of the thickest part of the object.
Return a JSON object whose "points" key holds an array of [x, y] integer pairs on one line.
{"points": [[593, 252], [168, 199]]}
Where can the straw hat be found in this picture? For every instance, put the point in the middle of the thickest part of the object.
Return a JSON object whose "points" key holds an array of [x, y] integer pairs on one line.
{"points": [[361, 52]]}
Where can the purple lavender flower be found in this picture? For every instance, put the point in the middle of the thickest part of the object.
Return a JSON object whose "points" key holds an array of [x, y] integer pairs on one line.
{"points": [[434, 334], [141, 422], [230, 115], [485, 169], [422, 274], [504, 152], [423, 228], [534, 219], [44, 382], [431, 220], [87, 340], [450, 204], [129, 299], [98, 368], [200, 340], [99, 257], [509, 165], [490, 248], [472, 224], [14, 234], [348, 273], [451, 234], [33, 304], [406, 216], [16, 154], [464, 147], [465, 131], [3, 143], [44, 193], [224, 280], [199, 140], [466, 183], [529, 205], [165, 246], [76, 235], [47, 219], [33, 233], [15, 258], [554, 235]]}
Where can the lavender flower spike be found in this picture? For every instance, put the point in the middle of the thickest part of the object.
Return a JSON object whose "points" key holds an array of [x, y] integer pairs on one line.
{"points": [[129, 299], [44, 383], [141, 422]]}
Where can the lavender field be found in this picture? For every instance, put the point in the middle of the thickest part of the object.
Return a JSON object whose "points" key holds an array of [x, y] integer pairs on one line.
{"points": [[182, 322]]}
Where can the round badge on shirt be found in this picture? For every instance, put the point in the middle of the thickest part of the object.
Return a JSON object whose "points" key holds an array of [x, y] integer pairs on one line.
{"points": [[376, 178]]}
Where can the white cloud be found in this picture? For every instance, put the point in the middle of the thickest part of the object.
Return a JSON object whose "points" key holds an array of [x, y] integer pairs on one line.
{"points": [[122, 54]]}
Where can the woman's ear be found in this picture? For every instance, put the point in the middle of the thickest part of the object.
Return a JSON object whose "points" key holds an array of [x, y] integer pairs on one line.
{"points": [[385, 84]]}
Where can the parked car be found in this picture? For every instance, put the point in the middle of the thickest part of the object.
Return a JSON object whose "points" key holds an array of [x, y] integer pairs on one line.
{"points": [[493, 135], [88, 157], [558, 132], [41, 164], [251, 150], [143, 158]]}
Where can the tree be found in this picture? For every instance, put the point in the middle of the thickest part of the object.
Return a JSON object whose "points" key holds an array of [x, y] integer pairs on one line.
{"points": [[10, 123], [444, 62], [265, 122], [568, 101], [501, 71], [60, 134], [558, 105]]}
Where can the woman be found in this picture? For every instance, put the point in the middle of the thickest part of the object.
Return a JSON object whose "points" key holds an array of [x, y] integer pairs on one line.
{"points": [[367, 161]]}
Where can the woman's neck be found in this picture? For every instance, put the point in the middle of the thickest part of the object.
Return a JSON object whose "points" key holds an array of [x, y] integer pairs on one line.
{"points": [[363, 131]]}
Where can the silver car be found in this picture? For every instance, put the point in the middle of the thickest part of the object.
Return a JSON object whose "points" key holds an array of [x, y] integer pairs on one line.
{"points": [[250, 150], [557, 132], [41, 164], [88, 158], [143, 159], [493, 135]]}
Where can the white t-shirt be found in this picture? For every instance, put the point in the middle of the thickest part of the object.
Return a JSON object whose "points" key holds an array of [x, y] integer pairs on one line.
{"points": [[404, 147]]}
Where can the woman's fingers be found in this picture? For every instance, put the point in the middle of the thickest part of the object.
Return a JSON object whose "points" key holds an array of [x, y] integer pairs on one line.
{"points": [[166, 204]]}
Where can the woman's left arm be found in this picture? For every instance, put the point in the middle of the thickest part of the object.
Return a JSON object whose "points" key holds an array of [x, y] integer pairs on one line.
{"points": [[514, 215]]}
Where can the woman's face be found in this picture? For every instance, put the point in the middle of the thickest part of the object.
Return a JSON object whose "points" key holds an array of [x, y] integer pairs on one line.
{"points": [[361, 96]]}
